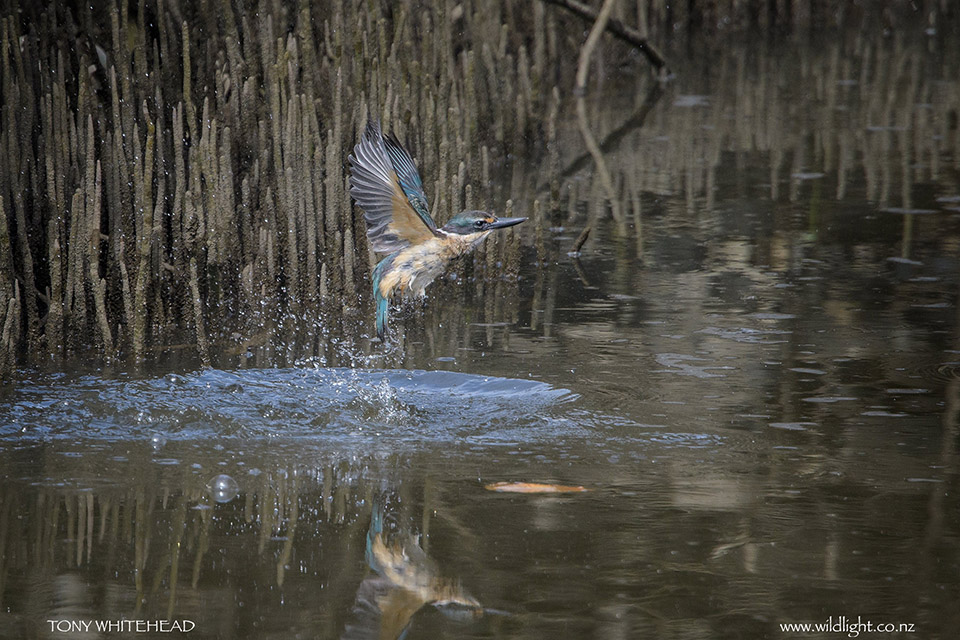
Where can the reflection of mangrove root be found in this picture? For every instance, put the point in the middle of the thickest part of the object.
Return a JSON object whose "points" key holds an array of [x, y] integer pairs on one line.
{"points": [[616, 28], [602, 18]]}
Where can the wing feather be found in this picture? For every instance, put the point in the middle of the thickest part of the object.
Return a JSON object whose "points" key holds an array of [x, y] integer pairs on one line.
{"points": [[395, 218], [410, 180]]}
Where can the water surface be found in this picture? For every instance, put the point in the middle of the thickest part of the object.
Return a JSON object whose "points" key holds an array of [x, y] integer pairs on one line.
{"points": [[755, 374]]}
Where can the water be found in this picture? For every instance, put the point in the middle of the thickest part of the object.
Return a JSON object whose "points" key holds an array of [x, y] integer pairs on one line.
{"points": [[758, 387]]}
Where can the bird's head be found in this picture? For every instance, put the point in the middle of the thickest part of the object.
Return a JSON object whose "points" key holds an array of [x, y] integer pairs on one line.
{"points": [[469, 222]]}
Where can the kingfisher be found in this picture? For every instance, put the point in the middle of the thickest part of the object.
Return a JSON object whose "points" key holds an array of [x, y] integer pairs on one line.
{"points": [[405, 582], [386, 185]]}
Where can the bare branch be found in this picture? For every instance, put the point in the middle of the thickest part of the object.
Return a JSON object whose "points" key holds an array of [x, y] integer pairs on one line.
{"points": [[616, 28]]}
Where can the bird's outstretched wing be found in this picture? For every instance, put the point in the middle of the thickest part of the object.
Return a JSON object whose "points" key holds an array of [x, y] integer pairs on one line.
{"points": [[386, 185], [410, 180]]}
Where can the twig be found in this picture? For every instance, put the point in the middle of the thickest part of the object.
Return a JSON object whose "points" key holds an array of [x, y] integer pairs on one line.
{"points": [[580, 240], [616, 28]]}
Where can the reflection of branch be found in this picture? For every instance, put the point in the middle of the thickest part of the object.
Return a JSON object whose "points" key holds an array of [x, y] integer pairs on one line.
{"points": [[612, 141], [616, 28], [581, 86], [580, 272]]}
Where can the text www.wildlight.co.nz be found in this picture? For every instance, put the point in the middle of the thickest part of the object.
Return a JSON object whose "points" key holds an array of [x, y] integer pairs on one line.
{"points": [[843, 624]]}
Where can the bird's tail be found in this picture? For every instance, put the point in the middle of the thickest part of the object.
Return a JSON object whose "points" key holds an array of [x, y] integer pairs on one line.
{"points": [[383, 308], [376, 528], [383, 303]]}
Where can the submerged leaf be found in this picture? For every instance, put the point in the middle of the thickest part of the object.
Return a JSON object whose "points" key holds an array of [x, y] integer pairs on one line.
{"points": [[533, 487]]}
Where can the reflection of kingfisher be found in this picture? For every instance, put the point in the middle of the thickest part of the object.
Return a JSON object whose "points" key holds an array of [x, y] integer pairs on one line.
{"points": [[406, 582], [386, 185]]}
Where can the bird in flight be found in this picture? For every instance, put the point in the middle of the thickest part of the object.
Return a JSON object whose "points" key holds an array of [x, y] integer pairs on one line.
{"points": [[385, 184]]}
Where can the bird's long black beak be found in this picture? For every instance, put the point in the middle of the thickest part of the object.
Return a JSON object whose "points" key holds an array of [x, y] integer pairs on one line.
{"points": [[500, 223]]}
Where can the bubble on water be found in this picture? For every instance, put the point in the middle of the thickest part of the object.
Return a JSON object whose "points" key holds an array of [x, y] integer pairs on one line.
{"points": [[223, 488], [157, 441]]}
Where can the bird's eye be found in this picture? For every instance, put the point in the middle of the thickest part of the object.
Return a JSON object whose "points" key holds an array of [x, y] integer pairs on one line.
{"points": [[478, 224]]}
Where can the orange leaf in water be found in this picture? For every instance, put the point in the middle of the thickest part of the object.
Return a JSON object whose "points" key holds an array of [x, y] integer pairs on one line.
{"points": [[533, 487]]}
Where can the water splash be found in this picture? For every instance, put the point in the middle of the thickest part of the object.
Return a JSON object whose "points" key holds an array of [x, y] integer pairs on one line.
{"points": [[335, 405]]}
